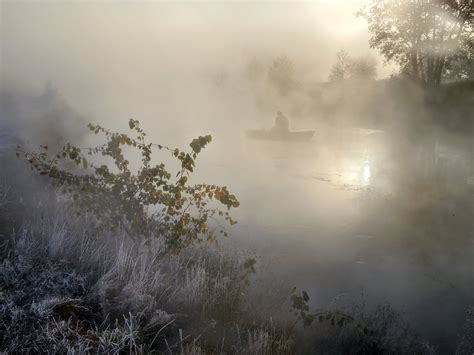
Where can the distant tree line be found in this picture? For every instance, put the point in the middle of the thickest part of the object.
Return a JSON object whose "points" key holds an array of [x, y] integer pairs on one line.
{"points": [[430, 41], [347, 67]]}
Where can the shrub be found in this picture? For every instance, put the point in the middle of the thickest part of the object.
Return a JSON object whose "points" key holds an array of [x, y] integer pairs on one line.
{"points": [[147, 202]]}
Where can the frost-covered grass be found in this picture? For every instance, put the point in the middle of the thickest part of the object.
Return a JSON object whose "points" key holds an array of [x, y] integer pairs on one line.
{"points": [[66, 289]]}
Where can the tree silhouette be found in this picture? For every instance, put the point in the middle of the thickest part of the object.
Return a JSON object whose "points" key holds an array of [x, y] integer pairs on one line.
{"points": [[339, 70], [281, 75], [347, 67], [422, 36]]}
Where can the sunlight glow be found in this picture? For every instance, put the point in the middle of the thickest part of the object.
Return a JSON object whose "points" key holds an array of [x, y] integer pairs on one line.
{"points": [[366, 173]]}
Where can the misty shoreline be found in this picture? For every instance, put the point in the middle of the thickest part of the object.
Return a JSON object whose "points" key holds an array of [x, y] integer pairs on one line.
{"points": [[136, 215]]}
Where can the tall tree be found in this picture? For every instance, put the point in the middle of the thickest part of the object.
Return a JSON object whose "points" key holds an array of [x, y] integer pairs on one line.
{"points": [[363, 68], [281, 74], [340, 68], [422, 36], [348, 67]]}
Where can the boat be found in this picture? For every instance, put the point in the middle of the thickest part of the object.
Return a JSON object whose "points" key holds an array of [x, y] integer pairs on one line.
{"points": [[270, 134]]}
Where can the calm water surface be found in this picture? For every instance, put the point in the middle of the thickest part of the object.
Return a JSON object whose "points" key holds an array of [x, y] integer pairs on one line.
{"points": [[360, 211]]}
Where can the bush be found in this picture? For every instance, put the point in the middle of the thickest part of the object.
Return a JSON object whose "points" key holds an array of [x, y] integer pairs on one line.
{"points": [[64, 291], [149, 202]]}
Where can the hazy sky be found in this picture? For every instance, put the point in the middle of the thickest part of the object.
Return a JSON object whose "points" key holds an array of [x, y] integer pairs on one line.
{"points": [[113, 60], [77, 43]]}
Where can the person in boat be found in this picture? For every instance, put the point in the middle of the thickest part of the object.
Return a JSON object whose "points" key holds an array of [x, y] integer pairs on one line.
{"points": [[282, 123]]}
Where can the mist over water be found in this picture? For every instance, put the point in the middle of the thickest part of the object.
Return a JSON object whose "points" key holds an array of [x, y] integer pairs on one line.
{"points": [[360, 208], [340, 216]]}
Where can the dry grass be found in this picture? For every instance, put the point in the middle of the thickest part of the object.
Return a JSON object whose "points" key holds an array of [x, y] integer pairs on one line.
{"points": [[67, 290]]}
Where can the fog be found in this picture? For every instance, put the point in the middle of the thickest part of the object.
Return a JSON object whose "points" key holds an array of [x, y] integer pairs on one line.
{"points": [[155, 61], [378, 202]]}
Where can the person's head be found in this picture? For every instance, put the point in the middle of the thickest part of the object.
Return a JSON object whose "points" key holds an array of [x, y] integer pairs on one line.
{"points": [[279, 113]]}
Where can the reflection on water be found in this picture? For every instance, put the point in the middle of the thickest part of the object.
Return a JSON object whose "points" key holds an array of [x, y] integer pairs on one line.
{"points": [[354, 210], [328, 179], [366, 173]]}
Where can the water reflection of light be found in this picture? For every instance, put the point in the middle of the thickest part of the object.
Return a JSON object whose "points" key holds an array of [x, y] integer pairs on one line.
{"points": [[366, 173], [357, 173]]}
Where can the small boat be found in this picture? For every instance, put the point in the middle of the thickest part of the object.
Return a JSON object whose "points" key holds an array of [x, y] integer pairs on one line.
{"points": [[270, 134]]}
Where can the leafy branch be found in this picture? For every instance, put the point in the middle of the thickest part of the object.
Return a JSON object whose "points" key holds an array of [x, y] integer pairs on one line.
{"points": [[148, 202], [300, 307]]}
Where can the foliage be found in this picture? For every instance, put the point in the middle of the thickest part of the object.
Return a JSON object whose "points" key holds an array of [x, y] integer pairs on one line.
{"points": [[465, 343], [146, 203], [355, 330], [356, 68], [461, 67], [281, 75], [363, 68], [301, 308], [339, 69], [422, 36]]}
